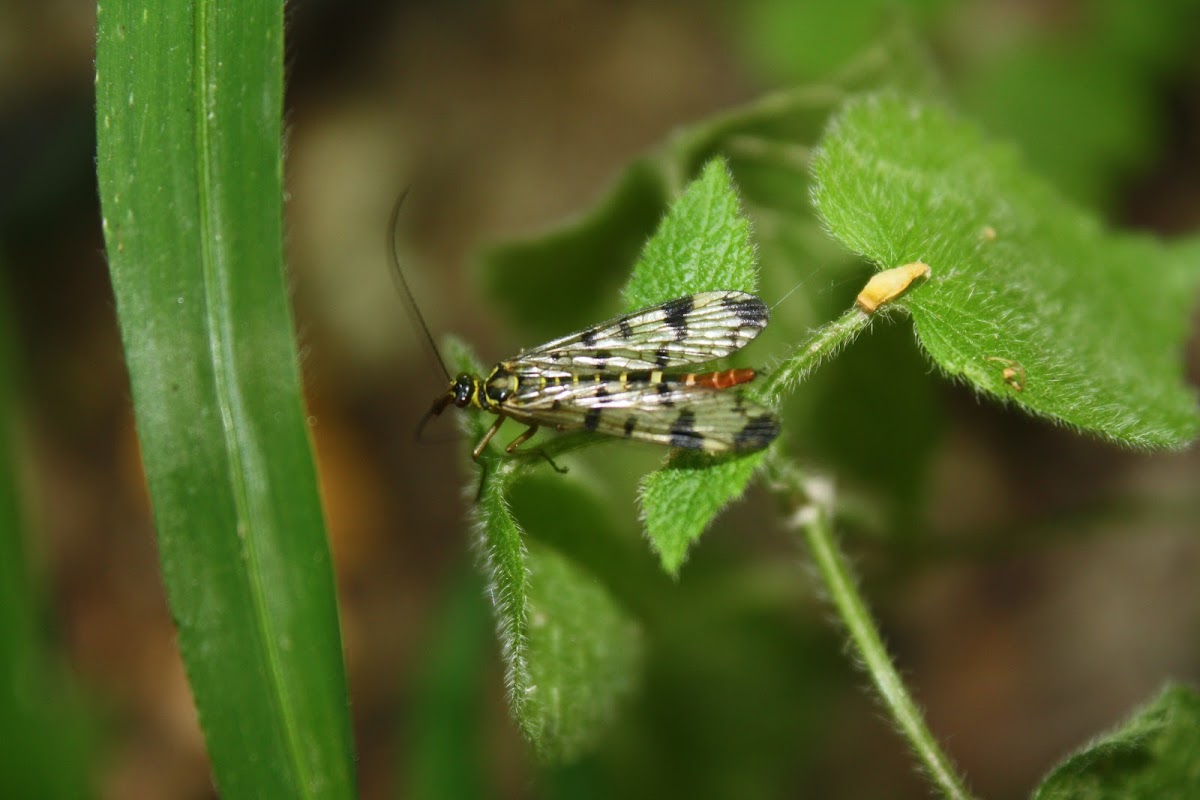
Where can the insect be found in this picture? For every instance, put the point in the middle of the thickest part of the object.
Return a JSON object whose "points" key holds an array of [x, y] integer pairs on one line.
{"points": [[625, 378]]}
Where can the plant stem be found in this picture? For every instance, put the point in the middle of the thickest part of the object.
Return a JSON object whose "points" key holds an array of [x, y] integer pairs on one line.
{"points": [[827, 340], [812, 499]]}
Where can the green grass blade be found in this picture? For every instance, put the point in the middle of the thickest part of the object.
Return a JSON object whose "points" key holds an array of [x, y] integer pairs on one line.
{"points": [[189, 102]]}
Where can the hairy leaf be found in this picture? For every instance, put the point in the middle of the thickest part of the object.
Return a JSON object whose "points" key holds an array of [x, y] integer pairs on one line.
{"points": [[1030, 300], [570, 652], [1153, 755], [703, 244]]}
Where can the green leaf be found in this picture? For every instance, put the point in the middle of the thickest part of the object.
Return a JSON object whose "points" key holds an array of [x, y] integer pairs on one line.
{"points": [[556, 282], [526, 278], [499, 543], [765, 144], [1151, 756], [189, 109], [580, 520], [501, 547], [1090, 324], [703, 245], [570, 652], [584, 656], [681, 499]]}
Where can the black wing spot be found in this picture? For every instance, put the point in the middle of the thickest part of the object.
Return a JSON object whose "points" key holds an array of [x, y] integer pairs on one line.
{"points": [[588, 337], [556, 405], [675, 314], [630, 424], [759, 432], [662, 356], [626, 328], [638, 376], [591, 420], [750, 310], [601, 392], [683, 433], [664, 389], [600, 358]]}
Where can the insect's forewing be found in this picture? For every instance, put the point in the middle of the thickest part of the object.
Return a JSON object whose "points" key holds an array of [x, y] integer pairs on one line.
{"points": [[668, 412], [688, 330]]}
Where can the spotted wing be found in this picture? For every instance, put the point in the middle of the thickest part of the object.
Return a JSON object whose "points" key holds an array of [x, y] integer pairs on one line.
{"points": [[688, 330], [669, 412]]}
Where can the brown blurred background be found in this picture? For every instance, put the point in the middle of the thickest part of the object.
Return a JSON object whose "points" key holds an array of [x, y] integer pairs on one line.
{"points": [[505, 117]]}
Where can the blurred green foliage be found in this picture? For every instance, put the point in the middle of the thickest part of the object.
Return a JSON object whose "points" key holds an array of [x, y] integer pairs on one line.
{"points": [[44, 724], [1079, 87], [723, 680], [910, 186]]}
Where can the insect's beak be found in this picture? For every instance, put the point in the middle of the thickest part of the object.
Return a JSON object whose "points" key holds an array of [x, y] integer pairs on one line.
{"points": [[439, 405]]}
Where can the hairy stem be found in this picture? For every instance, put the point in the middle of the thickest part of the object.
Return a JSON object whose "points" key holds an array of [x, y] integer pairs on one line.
{"points": [[810, 500], [826, 341]]}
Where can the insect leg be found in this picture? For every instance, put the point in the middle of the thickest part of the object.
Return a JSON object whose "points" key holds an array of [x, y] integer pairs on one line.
{"points": [[525, 437], [487, 437]]}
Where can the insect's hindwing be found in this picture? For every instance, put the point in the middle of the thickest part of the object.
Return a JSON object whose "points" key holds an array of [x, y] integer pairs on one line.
{"points": [[648, 406], [688, 330]]}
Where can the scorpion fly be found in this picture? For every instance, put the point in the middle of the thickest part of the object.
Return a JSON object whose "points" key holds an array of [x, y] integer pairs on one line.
{"points": [[629, 378]]}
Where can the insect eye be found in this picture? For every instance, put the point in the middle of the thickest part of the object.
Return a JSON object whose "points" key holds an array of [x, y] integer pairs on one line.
{"points": [[462, 390]]}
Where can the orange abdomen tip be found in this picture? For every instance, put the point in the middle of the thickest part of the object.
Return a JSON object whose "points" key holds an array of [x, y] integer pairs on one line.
{"points": [[720, 380]]}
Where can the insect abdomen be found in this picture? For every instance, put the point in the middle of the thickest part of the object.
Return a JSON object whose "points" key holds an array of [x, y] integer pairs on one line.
{"points": [[719, 380]]}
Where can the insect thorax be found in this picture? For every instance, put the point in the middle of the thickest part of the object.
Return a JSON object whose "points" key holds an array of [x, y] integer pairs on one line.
{"points": [[498, 387]]}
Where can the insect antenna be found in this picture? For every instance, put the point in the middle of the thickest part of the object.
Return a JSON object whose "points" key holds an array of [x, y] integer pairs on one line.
{"points": [[444, 400], [405, 289]]}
